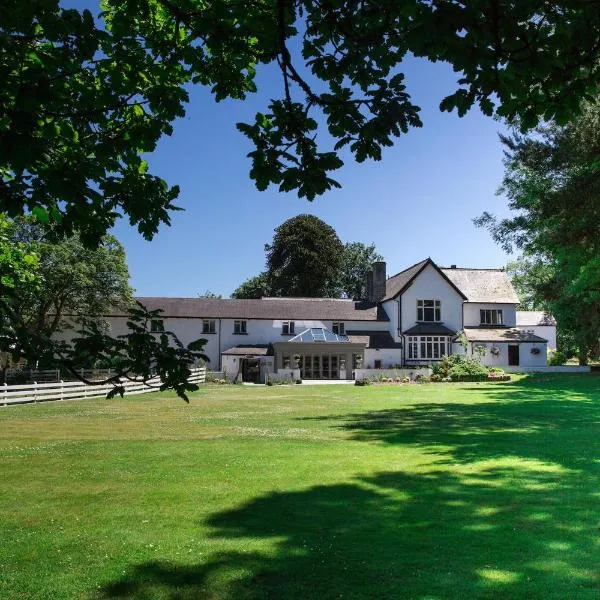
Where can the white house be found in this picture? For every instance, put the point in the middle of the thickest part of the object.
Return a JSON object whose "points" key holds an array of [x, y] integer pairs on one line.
{"points": [[414, 317]]}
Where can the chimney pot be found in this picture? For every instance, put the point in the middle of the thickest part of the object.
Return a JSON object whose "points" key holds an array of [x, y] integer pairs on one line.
{"points": [[453, 266]]}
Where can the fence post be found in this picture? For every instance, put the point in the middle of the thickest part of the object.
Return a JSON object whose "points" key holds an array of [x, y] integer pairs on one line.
{"points": [[62, 390], [5, 394], [57, 374], [35, 391]]}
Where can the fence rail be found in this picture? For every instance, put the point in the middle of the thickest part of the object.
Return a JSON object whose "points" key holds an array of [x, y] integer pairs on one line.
{"points": [[71, 390]]}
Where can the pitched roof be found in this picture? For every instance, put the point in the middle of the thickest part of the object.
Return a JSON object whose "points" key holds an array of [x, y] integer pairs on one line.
{"points": [[241, 350], [265, 308], [429, 329], [483, 285], [481, 334], [373, 339], [535, 318], [398, 283]]}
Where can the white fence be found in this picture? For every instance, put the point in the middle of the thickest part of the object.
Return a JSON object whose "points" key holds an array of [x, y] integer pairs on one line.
{"points": [[70, 390]]}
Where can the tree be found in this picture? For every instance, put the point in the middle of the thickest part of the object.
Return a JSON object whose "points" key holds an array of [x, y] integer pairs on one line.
{"points": [[42, 281], [83, 98], [357, 259], [209, 294], [76, 281], [552, 180], [304, 258], [254, 287]]}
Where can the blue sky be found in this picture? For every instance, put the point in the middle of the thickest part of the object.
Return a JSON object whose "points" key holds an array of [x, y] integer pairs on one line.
{"points": [[418, 201]]}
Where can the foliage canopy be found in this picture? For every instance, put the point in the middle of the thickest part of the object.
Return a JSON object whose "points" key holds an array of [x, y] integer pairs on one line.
{"points": [[82, 98]]}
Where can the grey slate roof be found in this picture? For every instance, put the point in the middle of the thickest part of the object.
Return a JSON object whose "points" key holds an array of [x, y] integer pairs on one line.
{"points": [[483, 285], [373, 339], [483, 334], [399, 282], [241, 350], [396, 283], [265, 308], [429, 329], [534, 318]]}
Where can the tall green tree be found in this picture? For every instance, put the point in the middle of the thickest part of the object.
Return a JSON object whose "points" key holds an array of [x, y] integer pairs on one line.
{"points": [[45, 281], [552, 181], [357, 259], [304, 258], [77, 281], [254, 287]]}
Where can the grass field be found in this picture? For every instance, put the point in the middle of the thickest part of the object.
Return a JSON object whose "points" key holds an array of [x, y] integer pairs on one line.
{"points": [[439, 491]]}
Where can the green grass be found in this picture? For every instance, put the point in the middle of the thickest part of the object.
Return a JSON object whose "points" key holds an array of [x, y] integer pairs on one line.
{"points": [[437, 491]]}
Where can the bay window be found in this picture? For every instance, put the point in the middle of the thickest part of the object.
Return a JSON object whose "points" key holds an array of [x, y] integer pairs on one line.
{"points": [[427, 347]]}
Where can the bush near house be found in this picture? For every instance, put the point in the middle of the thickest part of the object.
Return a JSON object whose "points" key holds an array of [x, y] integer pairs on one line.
{"points": [[459, 368]]}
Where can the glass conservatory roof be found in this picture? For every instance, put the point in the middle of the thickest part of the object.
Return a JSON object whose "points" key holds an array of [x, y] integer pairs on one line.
{"points": [[319, 334]]}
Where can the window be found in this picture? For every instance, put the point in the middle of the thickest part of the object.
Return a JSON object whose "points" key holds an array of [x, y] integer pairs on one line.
{"points": [[239, 327], [429, 310], [427, 347], [288, 327], [157, 326], [208, 326], [338, 328], [378, 364], [491, 316]]}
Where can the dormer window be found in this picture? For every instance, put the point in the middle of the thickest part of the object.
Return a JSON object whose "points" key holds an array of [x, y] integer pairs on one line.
{"points": [[429, 310], [491, 316], [157, 326], [337, 327], [288, 328]]}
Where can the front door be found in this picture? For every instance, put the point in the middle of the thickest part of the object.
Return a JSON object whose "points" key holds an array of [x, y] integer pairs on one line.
{"points": [[513, 356]]}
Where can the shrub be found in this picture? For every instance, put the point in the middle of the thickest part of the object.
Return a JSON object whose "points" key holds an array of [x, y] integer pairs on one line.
{"points": [[556, 358], [421, 378], [406, 379], [364, 381], [446, 379], [435, 377], [496, 371], [298, 381], [269, 381], [459, 368]]}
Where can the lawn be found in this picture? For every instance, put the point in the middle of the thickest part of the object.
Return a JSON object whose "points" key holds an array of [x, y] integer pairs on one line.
{"points": [[436, 491]]}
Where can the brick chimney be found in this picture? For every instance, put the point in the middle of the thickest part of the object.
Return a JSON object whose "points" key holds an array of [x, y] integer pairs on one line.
{"points": [[379, 280]]}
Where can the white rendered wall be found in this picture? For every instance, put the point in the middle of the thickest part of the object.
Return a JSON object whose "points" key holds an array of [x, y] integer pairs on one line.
{"points": [[391, 309], [388, 357], [526, 358], [473, 317], [548, 332], [430, 285]]}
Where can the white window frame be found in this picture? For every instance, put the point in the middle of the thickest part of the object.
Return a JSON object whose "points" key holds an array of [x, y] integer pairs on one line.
{"points": [[427, 347], [436, 308], [157, 326], [209, 326], [338, 328], [240, 327], [491, 316], [288, 327]]}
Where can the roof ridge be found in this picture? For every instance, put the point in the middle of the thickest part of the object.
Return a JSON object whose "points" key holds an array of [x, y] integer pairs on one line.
{"points": [[409, 268], [473, 269]]}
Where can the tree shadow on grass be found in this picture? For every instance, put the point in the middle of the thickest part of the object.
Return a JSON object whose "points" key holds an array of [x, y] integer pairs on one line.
{"points": [[510, 512]]}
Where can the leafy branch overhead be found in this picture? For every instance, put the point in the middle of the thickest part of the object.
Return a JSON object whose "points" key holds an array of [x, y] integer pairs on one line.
{"points": [[83, 98]]}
